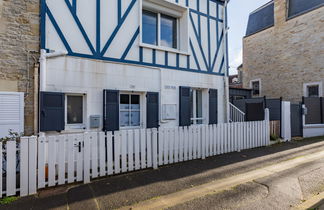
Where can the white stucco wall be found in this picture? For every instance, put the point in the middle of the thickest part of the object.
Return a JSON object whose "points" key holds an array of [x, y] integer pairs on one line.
{"points": [[90, 77]]}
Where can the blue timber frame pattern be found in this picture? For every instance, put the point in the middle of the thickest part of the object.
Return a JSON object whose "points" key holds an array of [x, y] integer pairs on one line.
{"points": [[205, 55]]}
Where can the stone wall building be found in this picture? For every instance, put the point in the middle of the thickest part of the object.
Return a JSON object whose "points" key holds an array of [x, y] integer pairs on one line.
{"points": [[283, 52], [19, 47]]}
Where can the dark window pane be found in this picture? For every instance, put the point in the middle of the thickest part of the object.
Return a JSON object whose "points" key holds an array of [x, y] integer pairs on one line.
{"points": [[74, 109], [168, 31], [149, 31], [256, 88], [297, 7], [124, 99], [313, 91]]}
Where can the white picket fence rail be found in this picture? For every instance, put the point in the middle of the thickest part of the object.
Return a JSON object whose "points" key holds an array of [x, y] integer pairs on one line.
{"points": [[52, 160]]}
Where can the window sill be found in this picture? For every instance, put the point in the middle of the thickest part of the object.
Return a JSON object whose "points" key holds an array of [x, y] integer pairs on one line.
{"points": [[167, 49]]}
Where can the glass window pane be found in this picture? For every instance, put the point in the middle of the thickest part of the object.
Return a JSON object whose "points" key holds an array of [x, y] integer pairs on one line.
{"points": [[135, 102], [149, 30], [124, 118], [124, 101], [256, 88], [74, 109], [135, 118], [168, 31]]}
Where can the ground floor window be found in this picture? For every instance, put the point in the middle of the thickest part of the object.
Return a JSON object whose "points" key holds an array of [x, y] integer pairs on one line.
{"points": [[75, 110], [196, 106], [130, 110]]}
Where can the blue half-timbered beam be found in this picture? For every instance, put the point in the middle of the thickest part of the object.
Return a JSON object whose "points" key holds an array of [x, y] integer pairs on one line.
{"points": [[58, 30], [43, 24], [74, 5], [98, 31], [208, 34], [117, 28], [194, 55], [130, 44], [77, 21], [217, 51]]}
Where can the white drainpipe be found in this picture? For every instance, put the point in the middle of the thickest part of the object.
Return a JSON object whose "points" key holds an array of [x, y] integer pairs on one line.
{"points": [[42, 61], [226, 85]]}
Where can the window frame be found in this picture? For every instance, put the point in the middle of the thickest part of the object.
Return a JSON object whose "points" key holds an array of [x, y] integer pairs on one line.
{"points": [[78, 125], [320, 88], [300, 13], [260, 87], [171, 9], [141, 110]]}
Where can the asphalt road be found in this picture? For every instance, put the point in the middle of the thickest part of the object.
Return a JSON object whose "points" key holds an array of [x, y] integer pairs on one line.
{"points": [[282, 190]]}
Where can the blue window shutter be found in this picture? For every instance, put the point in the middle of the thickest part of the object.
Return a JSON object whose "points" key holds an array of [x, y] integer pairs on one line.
{"points": [[51, 111], [111, 110], [184, 106], [152, 110], [213, 106]]}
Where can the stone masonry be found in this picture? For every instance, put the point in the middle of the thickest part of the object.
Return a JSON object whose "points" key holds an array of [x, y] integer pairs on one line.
{"points": [[19, 47], [287, 55]]}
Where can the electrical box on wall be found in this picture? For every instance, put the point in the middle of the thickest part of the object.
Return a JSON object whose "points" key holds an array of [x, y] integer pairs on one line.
{"points": [[94, 121], [169, 111]]}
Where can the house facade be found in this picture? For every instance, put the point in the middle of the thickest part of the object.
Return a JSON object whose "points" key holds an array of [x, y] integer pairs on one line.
{"points": [[19, 53], [283, 54], [110, 65]]}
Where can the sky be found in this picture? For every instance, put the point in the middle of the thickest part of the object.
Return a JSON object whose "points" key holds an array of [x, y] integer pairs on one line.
{"points": [[238, 14]]}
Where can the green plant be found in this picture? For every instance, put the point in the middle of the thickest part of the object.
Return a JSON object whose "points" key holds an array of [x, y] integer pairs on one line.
{"points": [[273, 137], [7, 200]]}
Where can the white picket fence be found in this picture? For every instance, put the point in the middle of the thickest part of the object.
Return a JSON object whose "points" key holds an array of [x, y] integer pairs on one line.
{"points": [[48, 161]]}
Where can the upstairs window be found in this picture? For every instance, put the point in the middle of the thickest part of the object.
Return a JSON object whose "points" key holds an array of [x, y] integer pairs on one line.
{"points": [[298, 7], [159, 29]]}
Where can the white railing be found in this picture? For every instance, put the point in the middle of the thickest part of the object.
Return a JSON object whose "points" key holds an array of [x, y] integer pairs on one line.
{"points": [[53, 160], [236, 115]]}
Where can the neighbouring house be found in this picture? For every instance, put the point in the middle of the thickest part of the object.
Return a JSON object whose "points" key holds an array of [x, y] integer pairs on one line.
{"points": [[110, 65], [236, 90], [283, 51], [19, 53]]}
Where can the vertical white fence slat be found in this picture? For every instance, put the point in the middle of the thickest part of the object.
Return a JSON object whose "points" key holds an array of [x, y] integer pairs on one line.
{"points": [[102, 153], [41, 162], [51, 160], [137, 149], [190, 137], [71, 153], [110, 163], [204, 135], [176, 144], [166, 146], [149, 147], [79, 152], [11, 168], [23, 166], [171, 145], [130, 143], [87, 157], [161, 146], [1, 172], [155, 148], [181, 144], [93, 138], [32, 165], [186, 143], [124, 150], [211, 140], [143, 148], [117, 152], [61, 160]]}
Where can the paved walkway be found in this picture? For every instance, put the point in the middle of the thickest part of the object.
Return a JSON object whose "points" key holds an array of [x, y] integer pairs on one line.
{"points": [[139, 187]]}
